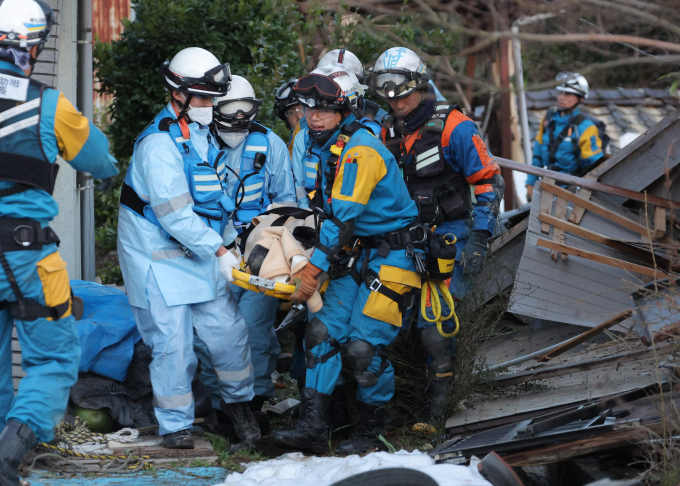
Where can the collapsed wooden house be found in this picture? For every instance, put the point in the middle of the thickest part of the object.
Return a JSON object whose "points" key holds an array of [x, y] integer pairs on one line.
{"points": [[594, 275]]}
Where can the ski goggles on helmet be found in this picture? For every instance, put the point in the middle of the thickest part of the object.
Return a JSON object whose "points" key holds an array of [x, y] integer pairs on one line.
{"points": [[214, 82], [316, 90], [395, 83], [236, 113]]}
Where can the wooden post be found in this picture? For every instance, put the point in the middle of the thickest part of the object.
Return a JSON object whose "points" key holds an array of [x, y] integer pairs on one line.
{"points": [[506, 115], [470, 65]]}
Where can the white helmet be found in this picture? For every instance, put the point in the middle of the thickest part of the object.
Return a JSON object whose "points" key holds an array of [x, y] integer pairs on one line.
{"points": [[573, 83], [343, 56], [332, 86], [196, 71], [238, 107], [397, 72], [25, 23]]}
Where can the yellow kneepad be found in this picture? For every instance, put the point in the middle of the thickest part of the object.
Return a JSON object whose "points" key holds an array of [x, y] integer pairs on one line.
{"points": [[55, 282], [383, 308]]}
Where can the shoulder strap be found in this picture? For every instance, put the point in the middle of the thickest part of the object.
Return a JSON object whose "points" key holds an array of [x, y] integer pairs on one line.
{"points": [[257, 128]]}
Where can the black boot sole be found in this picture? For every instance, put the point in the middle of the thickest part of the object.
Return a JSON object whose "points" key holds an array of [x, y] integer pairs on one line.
{"points": [[292, 444]]}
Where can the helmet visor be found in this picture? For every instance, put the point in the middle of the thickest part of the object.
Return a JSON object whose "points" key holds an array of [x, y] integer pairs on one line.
{"points": [[214, 82], [392, 83], [236, 113]]}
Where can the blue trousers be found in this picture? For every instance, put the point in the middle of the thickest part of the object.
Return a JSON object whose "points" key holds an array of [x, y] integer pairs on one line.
{"points": [[50, 350], [259, 312], [343, 313], [169, 330]]}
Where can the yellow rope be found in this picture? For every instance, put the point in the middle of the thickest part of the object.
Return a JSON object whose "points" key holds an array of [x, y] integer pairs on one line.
{"points": [[79, 433], [432, 285]]}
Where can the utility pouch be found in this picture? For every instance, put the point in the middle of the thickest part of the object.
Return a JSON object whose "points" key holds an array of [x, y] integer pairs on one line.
{"points": [[56, 285], [456, 201], [379, 306], [441, 256]]}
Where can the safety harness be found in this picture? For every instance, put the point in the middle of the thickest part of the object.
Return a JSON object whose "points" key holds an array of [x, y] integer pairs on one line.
{"points": [[25, 234], [441, 193], [570, 129]]}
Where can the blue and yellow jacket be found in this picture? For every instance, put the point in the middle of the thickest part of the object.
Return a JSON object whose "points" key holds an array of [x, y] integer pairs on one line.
{"points": [[580, 147], [368, 191], [43, 126]]}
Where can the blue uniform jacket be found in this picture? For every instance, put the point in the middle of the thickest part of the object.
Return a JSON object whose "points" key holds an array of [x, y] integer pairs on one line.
{"points": [[368, 190], [566, 159]]}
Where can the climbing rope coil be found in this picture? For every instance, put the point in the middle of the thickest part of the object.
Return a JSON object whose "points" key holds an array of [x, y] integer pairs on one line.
{"points": [[429, 294], [79, 441]]}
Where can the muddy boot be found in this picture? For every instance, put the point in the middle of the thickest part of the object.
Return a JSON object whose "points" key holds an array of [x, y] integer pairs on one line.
{"points": [[370, 425], [309, 432], [246, 427], [339, 418], [15, 440], [179, 440], [256, 405]]}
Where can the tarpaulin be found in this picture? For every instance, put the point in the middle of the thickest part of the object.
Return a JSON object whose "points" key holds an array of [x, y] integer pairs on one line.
{"points": [[107, 331]]}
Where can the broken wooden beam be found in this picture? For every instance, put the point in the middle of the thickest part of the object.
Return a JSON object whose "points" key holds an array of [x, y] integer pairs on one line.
{"points": [[597, 209], [569, 368], [596, 257], [598, 238], [588, 184], [581, 338]]}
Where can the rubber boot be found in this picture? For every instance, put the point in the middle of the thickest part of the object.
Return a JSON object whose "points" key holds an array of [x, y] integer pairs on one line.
{"points": [[246, 427], [256, 405], [309, 432], [15, 440], [179, 440], [370, 425]]}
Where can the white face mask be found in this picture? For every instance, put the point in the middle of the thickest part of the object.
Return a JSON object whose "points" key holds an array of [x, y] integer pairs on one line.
{"points": [[233, 139], [202, 116]]}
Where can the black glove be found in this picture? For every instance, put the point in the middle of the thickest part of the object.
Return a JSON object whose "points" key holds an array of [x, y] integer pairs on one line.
{"points": [[473, 257]]}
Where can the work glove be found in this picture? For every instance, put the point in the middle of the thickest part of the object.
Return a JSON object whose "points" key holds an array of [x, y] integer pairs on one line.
{"points": [[227, 263], [307, 281], [473, 257]]}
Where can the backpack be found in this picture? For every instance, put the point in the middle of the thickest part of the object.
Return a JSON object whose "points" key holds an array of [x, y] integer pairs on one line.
{"points": [[573, 122]]}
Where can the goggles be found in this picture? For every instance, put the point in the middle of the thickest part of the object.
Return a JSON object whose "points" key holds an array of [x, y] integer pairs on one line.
{"points": [[395, 83], [214, 82], [237, 112], [317, 90], [322, 113], [292, 111], [284, 92]]}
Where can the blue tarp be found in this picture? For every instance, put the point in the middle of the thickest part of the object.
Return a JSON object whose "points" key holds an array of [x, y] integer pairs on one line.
{"points": [[107, 331], [196, 476]]}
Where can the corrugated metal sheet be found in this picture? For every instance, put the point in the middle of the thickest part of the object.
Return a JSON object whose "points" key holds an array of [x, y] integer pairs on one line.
{"points": [[107, 25]]}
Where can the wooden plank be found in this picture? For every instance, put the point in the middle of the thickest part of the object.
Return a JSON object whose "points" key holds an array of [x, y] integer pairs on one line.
{"points": [[597, 209], [588, 445], [659, 222], [585, 336], [585, 183], [505, 238], [595, 257], [558, 233], [565, 369], [546, 206], [598, 238], [578, 211]]}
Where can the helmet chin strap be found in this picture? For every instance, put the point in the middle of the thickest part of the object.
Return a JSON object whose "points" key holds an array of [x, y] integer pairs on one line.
{"points": [[184, 109]]}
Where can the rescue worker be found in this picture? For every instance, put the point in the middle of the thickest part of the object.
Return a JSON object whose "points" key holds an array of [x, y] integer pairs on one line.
{"points": [[36, 124], [567, 140], [255, 165], [304, 159], [288, 109], [367, 206], [174, 213], [442, 155]]}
